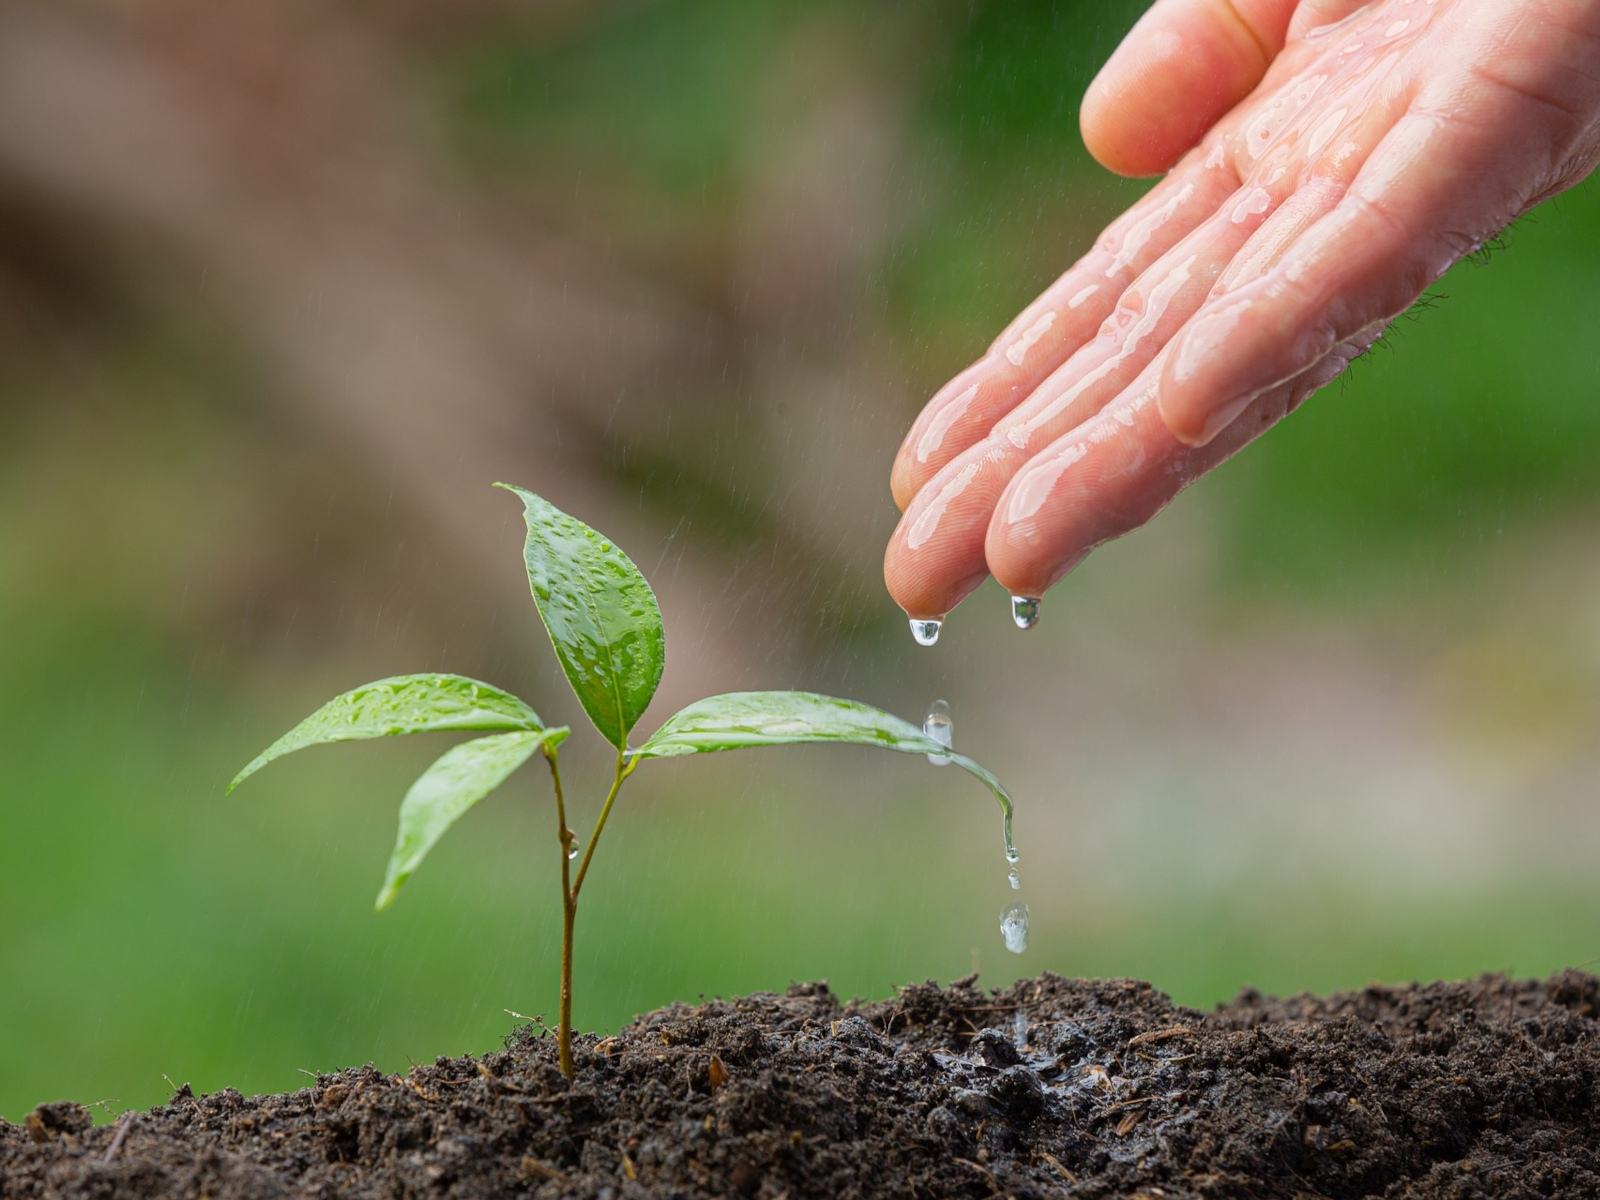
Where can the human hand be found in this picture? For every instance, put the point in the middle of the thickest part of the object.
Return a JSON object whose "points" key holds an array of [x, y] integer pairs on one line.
{"points": [[1337, 158]]}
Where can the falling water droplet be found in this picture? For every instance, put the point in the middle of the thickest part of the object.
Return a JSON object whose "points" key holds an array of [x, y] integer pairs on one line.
{"points": [[1014, 927], [1025, 611], [926, 632], [1016, 880], [941, 727]]}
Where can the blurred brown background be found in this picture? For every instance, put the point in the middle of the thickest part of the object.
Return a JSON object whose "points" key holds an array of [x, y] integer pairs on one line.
{"points": [[284, 288]]}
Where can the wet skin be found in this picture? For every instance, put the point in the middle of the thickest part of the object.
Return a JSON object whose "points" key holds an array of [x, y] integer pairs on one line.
{"points": [[1333, 159]]}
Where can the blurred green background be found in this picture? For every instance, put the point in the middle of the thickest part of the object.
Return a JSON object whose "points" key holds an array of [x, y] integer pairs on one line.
{"points": [[282, 292]]}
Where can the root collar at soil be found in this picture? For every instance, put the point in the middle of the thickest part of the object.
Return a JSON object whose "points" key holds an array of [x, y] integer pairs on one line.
{"points": [[1051, 1087]]}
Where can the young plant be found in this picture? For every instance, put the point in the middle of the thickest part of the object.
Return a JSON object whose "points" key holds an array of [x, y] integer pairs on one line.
{"points": [[606, 629]]}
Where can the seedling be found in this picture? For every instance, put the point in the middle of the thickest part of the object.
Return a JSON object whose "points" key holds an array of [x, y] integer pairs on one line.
{"points": [[606, 628]]}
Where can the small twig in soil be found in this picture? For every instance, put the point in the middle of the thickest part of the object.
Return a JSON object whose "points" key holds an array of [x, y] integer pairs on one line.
{"points": [[1120, 1106], [1159, 1035], [1056, 1163], [123, 1125]]}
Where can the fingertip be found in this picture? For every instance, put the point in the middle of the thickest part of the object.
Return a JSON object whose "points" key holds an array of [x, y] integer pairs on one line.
{"points": [[1025, 564], [1032, 540], [923, 594], [1184, 65]]}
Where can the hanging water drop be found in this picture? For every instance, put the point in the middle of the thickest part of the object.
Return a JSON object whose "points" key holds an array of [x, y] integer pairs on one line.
{"points": [[1015, 879], [1012, 856], [940, 727], [926, 631], [1025, 611], [1014, 927]]}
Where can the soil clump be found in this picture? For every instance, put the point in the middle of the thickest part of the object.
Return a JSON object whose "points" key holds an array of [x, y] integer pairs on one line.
{"points": [[1051, 1087]]}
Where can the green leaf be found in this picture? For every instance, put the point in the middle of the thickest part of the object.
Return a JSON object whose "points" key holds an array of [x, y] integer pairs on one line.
{"points": [[741, 719], [403, 704], [600, 613], [464, 775]]}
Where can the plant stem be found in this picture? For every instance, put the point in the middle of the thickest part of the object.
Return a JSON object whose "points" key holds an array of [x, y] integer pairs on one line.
{"points": [[624, 769], [570, 887], [569, 909]]}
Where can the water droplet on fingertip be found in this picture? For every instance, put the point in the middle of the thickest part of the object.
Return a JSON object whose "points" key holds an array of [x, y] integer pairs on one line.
{"points": [[1025, 611], [939, 726], [1014, 927], [926, 631]]}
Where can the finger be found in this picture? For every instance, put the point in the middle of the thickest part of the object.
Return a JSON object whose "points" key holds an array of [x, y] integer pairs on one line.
{"points": [[1431, 188], [1068, 314], [1185, 64], [1116, 472], [936, 554]]}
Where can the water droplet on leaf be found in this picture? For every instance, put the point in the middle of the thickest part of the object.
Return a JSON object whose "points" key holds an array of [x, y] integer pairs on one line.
{"points": [[940, 727]]}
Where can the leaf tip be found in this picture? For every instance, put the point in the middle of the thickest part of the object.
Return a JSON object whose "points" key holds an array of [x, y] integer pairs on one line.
{"points": [[249, 770]]}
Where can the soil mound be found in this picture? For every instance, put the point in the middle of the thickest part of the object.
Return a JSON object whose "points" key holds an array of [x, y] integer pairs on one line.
{"points": [[1052, 1087]]}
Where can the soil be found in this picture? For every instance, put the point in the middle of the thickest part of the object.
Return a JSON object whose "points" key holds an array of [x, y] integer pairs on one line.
{"points": [[1052, 1087]]}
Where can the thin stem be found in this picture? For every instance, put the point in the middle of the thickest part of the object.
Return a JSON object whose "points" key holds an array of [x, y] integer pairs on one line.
{"points": [[569, 909], [625, 768]]}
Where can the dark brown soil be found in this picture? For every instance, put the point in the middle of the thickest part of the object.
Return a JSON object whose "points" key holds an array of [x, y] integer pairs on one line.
{"points": [[1052, 1087]]}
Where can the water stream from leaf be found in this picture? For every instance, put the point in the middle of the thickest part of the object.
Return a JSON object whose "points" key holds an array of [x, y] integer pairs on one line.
{"points": [[939, 726]]}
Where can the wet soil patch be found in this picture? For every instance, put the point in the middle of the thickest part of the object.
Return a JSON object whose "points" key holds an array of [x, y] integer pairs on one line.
{"points": [[1052, 1087]]}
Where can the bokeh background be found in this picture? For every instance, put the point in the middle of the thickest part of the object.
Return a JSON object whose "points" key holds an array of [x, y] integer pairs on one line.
{"points": [[283, 288]]}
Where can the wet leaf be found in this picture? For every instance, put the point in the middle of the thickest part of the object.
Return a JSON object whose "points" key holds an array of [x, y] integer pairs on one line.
{"points": [[402, 704], [742, 719], [600, 613], [460, 778]]}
